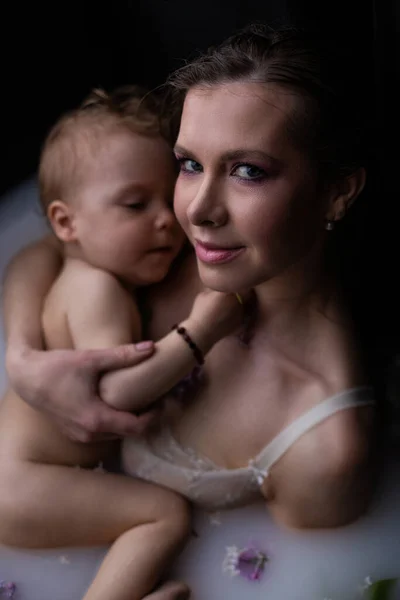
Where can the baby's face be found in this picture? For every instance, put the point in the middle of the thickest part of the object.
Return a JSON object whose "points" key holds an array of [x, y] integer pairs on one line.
{"points": [[124, 217]]}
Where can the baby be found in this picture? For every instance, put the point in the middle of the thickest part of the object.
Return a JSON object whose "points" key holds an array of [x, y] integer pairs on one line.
{"points": [[106, 179]]}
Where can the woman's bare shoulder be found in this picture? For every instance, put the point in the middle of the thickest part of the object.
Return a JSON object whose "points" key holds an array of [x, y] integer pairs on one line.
{"points": [[326, 479]]}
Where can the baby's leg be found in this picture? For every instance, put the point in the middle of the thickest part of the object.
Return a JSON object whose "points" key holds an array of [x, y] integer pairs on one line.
{"points": [[173, 590], [44, 506]]}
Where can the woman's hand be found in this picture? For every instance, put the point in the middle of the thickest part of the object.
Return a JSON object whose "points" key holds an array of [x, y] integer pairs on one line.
{"points": [[64, 384]]}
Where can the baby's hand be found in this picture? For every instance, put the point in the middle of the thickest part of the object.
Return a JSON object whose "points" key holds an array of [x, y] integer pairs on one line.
{"points": [[218, 313]]}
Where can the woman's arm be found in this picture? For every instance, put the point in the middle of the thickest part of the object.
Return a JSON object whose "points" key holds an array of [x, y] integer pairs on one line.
{"points": [[28, 278], [62, 383]]}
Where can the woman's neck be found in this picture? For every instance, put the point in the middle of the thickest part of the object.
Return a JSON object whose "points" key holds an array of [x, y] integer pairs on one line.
{"points": [[304, 292]]}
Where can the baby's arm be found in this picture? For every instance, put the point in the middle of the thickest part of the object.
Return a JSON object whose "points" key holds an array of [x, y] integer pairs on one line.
{"points": [[100, 312], [102, 316], [214, 315], [61, 383]]}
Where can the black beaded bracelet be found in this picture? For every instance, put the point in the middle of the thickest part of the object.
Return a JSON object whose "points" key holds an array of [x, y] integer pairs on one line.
{"points": [[194, 348]]}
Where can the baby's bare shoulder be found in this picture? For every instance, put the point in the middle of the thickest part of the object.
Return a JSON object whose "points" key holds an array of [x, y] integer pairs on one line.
{"points": [[80, 281], [83, 292]]}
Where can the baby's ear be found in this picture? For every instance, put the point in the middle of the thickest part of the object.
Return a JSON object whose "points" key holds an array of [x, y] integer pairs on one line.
{"points": [[344, 193], [62, 220]]}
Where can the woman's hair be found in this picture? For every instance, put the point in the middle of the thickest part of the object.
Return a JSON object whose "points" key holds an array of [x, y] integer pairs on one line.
{"points": [[77, 135], [334, 124], [328, 122]]}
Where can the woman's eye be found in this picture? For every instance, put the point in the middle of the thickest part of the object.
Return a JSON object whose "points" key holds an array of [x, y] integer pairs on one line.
{"points": [[250, 172], [187, 165]]}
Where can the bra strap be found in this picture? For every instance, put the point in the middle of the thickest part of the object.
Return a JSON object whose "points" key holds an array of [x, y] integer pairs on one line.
{"points": [[362, 396]]}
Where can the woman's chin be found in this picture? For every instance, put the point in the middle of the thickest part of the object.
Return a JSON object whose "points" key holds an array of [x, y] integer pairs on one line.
{"points": [[222, 282]]}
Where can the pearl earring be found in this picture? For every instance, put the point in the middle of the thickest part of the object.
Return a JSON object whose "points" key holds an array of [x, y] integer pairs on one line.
{"points": [[330, 225]]}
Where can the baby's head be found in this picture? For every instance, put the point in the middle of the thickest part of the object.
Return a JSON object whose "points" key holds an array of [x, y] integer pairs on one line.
{"points": [[106, 180]]}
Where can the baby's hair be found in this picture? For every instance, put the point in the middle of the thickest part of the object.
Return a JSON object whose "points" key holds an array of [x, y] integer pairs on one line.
{"points": [[75, 136]]}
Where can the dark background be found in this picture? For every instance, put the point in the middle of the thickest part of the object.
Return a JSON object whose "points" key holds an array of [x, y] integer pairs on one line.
{"points": [[52, 55]]}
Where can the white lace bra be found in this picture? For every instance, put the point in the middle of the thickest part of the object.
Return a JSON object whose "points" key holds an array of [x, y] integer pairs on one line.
{"points": [[161, 459]]}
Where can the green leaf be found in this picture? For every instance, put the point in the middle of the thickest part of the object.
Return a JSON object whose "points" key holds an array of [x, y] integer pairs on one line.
{"points": [[381, 589]]}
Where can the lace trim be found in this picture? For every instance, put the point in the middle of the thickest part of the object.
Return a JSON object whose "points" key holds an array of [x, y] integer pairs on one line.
{"points": [[200, 462]]}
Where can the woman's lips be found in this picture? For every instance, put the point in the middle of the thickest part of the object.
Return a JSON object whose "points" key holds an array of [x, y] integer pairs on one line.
{"points": [[210, 254]]}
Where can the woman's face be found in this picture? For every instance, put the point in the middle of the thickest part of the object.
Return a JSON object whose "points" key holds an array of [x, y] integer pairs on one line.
{"points": [[246, 195]]}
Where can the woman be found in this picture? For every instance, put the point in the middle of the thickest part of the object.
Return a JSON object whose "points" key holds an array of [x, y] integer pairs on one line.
{"points": [[271, 160]]}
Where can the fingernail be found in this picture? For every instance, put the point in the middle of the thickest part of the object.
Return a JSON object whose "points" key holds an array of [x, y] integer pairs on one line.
{"points": [[142, 346]]}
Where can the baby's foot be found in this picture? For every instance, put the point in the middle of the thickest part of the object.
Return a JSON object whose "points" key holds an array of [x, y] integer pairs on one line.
{"points": [[172, 590]]}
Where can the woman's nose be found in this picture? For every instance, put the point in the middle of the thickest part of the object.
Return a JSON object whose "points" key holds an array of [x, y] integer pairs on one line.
{"points": [[207, 207]]}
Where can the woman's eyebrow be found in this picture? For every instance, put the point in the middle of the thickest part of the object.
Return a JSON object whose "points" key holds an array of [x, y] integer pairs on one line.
{"points": [[181, 150], [241, 153], [237, 154]]}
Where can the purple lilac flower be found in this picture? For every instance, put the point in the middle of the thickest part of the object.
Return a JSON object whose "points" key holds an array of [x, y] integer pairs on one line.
{"points": [[248, 562], [7, 589]]}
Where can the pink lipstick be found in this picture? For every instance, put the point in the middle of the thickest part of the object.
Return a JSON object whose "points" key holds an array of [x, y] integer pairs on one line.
{"points": [[211, 254]]}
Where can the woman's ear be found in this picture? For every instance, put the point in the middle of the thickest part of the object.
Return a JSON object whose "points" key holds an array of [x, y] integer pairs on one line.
{"points": [[344, 193], [62, 220]]}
